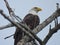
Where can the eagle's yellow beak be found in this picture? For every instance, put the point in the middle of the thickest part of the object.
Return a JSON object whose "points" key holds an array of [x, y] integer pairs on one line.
{"points": [[39, 9]]}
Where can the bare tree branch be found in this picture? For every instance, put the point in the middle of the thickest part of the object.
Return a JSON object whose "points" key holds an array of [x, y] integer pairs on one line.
{"points": [[11, 12], [51, 32], [8, 7], [47, 21], [6, 26], [9, 36]]}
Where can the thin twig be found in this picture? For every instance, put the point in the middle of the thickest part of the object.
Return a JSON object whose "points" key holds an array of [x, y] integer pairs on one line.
{"points": [[9, 36]]}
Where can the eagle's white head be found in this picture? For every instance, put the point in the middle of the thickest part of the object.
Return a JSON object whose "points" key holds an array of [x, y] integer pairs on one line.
{"points": [[35, 10]]}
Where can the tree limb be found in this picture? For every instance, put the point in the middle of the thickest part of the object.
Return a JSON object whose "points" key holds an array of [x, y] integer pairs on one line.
{"points": [[6, 26], [11, 12], [51, 32], [47, 21], [8, 7]]}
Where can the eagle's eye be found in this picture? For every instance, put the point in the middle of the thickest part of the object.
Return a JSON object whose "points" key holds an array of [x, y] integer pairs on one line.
{"points": [[35, 7]]}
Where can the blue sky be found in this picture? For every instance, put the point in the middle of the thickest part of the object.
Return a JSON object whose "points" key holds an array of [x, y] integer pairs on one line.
{"points": [[21, 8]]}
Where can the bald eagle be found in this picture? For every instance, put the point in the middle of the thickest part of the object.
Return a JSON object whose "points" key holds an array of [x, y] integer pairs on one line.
{"points": [[31, 19]]}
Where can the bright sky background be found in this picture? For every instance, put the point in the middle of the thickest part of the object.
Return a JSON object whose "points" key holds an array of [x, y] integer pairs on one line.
{"points": [[21, 8]]}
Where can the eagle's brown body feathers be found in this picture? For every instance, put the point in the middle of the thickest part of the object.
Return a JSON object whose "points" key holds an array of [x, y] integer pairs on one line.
{"points": [[31, 20]]}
